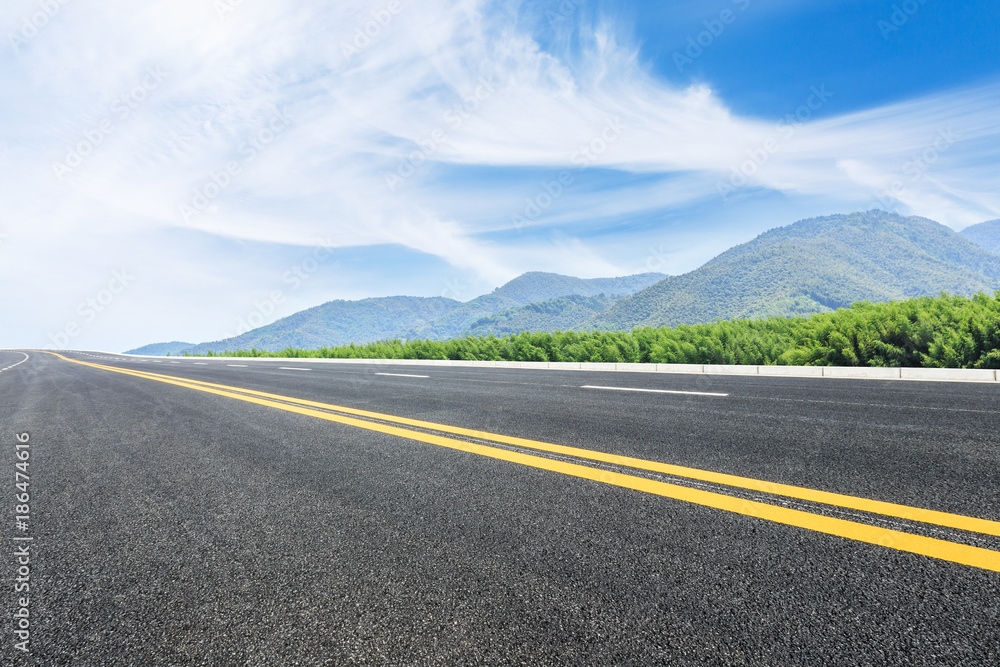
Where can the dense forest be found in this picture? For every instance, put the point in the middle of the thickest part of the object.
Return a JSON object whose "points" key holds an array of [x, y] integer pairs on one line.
{"points": [[534, 287], [944, 331], [561, 314]]}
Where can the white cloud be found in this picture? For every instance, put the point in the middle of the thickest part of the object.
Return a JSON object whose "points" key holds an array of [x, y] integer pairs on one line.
{"points": [[430, 93]]}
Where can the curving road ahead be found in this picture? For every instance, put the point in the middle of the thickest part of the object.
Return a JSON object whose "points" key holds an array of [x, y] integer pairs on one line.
{"points": [[262, 512]]}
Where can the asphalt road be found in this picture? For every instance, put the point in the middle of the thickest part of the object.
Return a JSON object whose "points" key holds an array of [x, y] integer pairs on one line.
{"points": [[172, 525]]}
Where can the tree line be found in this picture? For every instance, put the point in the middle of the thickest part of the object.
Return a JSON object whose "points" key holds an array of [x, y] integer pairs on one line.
{"points": [[943, 332]]}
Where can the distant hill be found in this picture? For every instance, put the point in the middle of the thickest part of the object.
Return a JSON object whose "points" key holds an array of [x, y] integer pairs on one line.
{"points": [[536, 286], [986, 235], [812, 266], [368, 320], [337, 323], [563, 314], [528, 288], [160, 349]]}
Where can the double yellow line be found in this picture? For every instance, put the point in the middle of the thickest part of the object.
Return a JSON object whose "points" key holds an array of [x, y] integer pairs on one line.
{"points": [[894, 539]]}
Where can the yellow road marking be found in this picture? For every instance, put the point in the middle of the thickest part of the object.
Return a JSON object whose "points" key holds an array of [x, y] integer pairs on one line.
{"points": [[943, 519], [918, 544]]}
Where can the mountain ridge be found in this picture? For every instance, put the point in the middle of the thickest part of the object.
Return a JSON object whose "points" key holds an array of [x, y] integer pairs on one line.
{"points": [[161, 349], [528, 288], [342, 322], [337, 322], [563, 313], [811, 266], [832, 261], [985, 234]]}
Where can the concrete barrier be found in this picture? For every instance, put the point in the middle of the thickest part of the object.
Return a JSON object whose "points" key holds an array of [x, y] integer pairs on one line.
{"points": [[680, 368], [636, 368], [564, 365], [953, 374], [861, 372], [791, 371], [730, 369], [846, 372], [598, 366]]}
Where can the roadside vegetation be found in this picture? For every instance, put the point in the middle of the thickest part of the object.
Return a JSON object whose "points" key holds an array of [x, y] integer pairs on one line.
{"points": [[944, 331]]}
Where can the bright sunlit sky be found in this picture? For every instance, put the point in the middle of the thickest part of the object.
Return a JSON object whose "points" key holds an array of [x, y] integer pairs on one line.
{"points": [[185, 164]]}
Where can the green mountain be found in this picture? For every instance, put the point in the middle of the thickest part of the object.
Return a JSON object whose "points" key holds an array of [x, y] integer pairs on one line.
{"points": [[344, 322], [812, 266], [986, 235], [160, 349], [562, 314], [536, 286], [528, 288], [337, 323]]}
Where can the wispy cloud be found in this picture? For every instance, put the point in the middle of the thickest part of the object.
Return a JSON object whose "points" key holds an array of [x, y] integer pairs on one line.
{"points": [[424, 125]]}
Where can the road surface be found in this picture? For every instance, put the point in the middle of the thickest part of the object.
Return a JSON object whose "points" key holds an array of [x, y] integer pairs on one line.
{"points": [[252, 512]]}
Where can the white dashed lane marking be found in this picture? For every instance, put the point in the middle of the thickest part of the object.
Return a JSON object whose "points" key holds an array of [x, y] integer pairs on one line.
{"points": [[17, 364], [655, 391]]}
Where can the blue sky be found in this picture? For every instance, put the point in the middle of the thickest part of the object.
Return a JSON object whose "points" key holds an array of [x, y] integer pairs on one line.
{"points": [[171, 170]]}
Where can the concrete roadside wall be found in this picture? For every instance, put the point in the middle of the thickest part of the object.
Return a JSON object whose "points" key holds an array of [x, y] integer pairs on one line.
{"points": [[847, 372]]}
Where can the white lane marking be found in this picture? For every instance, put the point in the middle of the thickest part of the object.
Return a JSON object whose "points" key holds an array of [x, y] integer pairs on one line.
{"points": [[17, 364], [655, 391], [157, 362], [201, 363], [288, 368], [403, 375], [175, 362], [237, 365]]}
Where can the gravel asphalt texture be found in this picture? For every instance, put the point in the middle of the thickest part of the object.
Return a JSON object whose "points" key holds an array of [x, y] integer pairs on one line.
{"points": [[175, 527]]}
